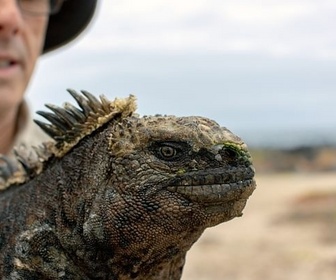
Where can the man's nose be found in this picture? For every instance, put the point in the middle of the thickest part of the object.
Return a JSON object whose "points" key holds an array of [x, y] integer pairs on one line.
{"points": [[10, 18]]}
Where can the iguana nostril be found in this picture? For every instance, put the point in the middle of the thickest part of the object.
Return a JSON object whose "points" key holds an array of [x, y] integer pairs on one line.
{"points": [[229, 153]]}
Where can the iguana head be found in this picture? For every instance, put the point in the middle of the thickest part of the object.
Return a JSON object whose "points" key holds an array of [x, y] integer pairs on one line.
{"points": [[182, 164]]}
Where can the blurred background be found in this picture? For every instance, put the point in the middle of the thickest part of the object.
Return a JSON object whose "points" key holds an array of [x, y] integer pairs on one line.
{"points": [[264, 69]]}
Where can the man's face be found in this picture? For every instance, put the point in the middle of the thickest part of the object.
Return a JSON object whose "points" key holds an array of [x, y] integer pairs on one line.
{"points": [[21, 42]]}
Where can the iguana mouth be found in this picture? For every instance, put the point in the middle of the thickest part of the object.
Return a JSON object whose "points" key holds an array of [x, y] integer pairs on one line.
{"points": [[215, 186]]}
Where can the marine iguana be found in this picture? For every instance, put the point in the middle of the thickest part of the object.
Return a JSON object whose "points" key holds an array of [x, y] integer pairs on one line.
{"points": [[118, 196]]}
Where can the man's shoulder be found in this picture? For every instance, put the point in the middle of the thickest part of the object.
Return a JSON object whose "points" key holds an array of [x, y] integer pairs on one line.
{"points": [[29, 133]]}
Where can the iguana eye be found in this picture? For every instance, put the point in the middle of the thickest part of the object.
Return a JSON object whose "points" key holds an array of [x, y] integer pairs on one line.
{"points": [[167, 152]]}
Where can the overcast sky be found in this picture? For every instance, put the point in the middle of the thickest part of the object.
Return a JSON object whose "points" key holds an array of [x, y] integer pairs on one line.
{"points": [[253, 66]]}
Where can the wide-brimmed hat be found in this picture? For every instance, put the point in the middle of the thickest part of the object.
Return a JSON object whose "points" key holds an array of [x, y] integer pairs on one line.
{"points": [[68, 23]]}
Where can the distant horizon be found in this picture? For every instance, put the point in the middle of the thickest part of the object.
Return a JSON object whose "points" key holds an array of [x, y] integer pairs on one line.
{"points": [[288, 139]]}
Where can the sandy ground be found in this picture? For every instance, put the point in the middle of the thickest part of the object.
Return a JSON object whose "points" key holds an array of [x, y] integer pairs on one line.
{"points": [[283, 235]]}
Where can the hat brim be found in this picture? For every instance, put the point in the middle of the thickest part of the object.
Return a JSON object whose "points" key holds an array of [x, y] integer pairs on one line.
{"points": [[68, 23]]}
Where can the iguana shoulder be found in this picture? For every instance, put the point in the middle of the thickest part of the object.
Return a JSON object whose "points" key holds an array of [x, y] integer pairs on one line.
{"points": [[68, 125]]}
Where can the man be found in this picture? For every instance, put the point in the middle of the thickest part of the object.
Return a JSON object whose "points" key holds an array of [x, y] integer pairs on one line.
{"points": [[29, 28]]}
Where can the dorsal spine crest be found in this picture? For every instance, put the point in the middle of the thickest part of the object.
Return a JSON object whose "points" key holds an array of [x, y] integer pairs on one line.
{"points": [[67, 126]]}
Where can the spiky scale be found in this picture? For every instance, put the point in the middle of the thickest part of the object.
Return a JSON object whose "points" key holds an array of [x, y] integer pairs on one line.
{"points": [[93, 101], [51, 130], [75, 112], [105, 103], [53, 119], [81, 101], [7, 168], [24, 163], [63, 114]]}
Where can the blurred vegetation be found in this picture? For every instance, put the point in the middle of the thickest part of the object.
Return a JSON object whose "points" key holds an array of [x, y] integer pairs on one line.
{"points": [[299, 159], [316, 209]]}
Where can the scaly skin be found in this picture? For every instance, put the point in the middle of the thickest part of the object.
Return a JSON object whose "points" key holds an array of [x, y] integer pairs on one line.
{"points": [[126, 202]]}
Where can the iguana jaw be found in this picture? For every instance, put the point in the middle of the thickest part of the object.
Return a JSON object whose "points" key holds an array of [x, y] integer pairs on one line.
{"points": [[217, 187], [215, 194]]}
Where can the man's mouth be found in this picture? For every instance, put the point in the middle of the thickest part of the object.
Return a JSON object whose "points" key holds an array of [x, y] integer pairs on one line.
{"points": [[9, 68], [5, 63]]}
